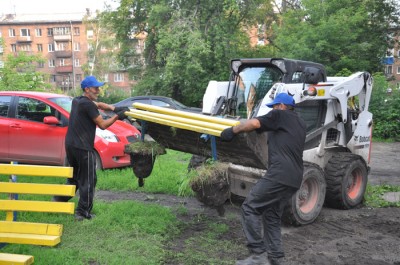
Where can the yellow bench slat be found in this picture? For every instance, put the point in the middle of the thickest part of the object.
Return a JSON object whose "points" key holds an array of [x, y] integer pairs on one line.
{"points": [[15, 259], [37, 206], [31, 228], [29, 239], [34, 188], [33, 170]]}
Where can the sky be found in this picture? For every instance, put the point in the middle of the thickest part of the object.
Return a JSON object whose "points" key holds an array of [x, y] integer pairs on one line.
{"points": [[52, 6]]}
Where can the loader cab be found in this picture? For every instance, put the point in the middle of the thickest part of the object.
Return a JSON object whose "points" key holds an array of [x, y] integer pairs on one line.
{"points": [[253, 78]]}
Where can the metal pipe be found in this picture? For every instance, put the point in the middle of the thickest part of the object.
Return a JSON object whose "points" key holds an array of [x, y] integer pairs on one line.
{"points": [[185, 114], [174, 124], [194, 122]]}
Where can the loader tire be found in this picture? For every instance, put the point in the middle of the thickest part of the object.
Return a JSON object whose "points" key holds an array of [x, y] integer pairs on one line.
{"points": [[346, 178], [306, 204]]}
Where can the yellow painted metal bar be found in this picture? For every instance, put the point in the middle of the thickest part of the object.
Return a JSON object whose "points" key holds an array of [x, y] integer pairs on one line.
{"points": [[198, 123], [185, 114], [34, 171], [30, 239], [34, 188], [175, 124], [15, 259], [31, 228], [37, 206]]}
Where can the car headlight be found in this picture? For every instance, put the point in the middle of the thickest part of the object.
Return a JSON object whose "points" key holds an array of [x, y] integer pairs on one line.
{"points": [[106, 135]]}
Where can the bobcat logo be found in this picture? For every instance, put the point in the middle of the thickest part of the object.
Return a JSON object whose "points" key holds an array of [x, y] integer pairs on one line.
{"points": [[355, 138]]}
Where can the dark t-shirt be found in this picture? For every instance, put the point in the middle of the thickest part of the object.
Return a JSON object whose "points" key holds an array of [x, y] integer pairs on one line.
{"points": [[286, 137], [81, 128]]}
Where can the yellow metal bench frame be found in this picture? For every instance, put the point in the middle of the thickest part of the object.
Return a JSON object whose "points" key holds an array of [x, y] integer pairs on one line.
{"points": [[12, 231]]}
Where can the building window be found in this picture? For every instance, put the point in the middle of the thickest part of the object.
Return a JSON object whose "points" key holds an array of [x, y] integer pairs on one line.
{"points": [[49, 31], [77, 31], [11, 32], [77, 46], [89, 34], [90, 46], [78, 78], [51, 47], [398, 53], [77, 63], [25, 47], [40, 64], [105, 78], [118, 77], [398, 70], [38, 32], [52, 78], [39, 47], [51, 63], [62, 62], [25, 32], [62, 31], [62, 46], [389, 69], [14, 47]]}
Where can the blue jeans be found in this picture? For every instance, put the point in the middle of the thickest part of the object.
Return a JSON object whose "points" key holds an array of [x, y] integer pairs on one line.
{"points": [[261, 216]]}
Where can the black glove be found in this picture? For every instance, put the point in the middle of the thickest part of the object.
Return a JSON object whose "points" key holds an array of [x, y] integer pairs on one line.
{"points": [[227, 134], [121, 115], [119, 109]]}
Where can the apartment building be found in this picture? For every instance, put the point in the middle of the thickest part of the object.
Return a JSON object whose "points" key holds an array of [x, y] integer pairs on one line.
{"points": [[62, 40]]}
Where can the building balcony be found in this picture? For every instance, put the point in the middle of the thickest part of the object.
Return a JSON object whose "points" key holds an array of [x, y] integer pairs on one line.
{"points": [[62, 37], [64, 69], [22, 39], [63, 54]]}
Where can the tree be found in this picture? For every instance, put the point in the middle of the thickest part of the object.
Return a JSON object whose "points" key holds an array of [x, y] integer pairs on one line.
{"points": [[19, 73], [188, 43], [338, 33]]}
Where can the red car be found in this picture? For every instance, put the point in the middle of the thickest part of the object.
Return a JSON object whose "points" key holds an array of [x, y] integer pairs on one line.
{"points": [[33, 127]]}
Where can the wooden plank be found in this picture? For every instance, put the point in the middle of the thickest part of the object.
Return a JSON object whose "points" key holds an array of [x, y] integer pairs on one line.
{"points": [[15, 259], [29, 239], [34, 188], [31, 228], [36, 171], [37, 206]]}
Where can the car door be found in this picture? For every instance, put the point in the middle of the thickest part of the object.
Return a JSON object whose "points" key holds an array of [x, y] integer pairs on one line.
{"points": [[31, 140], [5, 101]]}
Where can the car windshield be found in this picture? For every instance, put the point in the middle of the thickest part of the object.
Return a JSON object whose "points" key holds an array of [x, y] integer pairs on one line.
{"points": [[63, 102]]}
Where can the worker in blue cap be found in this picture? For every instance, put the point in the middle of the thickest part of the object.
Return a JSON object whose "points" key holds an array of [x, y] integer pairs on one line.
{"points": [[79, 143], [263, 208]]}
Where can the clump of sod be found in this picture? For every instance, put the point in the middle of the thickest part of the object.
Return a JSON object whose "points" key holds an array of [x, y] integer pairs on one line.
{"points": [[143, 155], [211, 185]]}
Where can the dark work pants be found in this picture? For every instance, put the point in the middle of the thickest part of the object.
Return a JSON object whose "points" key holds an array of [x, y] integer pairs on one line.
{"points": [[261, 216], [84, 178]]}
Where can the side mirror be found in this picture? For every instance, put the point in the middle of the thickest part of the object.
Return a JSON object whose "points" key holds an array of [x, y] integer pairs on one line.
{"points": [[51, 120]]}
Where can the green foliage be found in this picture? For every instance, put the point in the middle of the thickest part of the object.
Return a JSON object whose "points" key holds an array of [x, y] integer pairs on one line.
{"points": [[339, 33], [386, 109], [187, 44], [374, 196], [19, 73]]}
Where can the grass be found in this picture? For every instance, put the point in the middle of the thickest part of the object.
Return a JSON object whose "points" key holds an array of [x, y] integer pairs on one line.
{"points": [[129, 232]]}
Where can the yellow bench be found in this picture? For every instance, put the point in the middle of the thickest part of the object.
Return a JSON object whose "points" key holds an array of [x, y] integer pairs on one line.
{"points": [[14, 231]]}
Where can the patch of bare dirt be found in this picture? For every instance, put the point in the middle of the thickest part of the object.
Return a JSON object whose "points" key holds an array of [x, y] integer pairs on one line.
{"points": [[359, 236]]}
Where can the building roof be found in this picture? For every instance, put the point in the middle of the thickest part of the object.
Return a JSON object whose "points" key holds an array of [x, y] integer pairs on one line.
{"points": [[41, 18]]}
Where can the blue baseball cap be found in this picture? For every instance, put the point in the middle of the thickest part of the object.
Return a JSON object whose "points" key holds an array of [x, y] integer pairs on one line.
{"points": [[90, 81], [282, 98]]}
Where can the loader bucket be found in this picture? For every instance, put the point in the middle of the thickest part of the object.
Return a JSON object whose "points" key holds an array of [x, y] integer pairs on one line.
{"points": [[247, 149]]}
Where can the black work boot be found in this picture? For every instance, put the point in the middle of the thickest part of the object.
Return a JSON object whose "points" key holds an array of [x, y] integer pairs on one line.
{"points": [[275, 261], [255, 259]]}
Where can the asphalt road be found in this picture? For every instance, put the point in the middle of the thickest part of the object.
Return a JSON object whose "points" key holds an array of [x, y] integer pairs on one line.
{"points": [[385, 164]]}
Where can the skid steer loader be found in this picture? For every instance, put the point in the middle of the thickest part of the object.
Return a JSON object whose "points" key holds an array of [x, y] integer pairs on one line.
{"points": [[339, 127]]}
